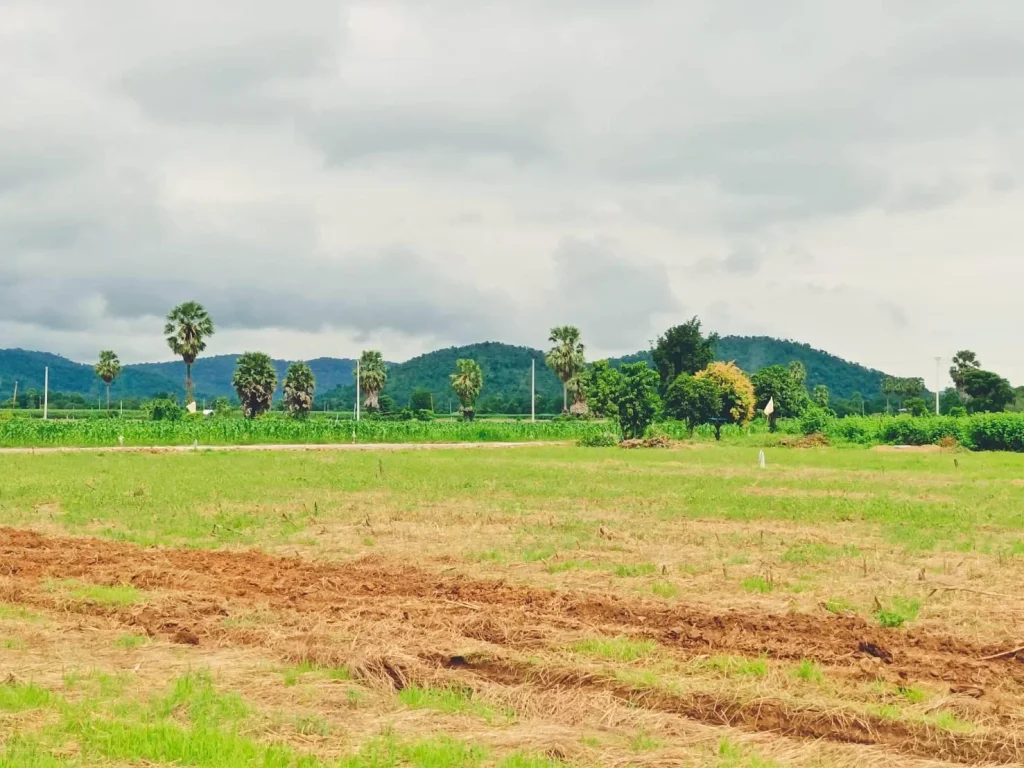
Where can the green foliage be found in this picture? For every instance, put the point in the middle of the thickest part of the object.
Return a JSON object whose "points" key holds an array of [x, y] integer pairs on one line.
{"points": [[682, 349], [299, 385], [777, 382], [187, 329], [599, 440], [373, 376], [799, 373], [821, 396], [963, 361], [467, 381], [638, 399], [165, 410], [987, 392], [222, 407], [735, 390], [603, 384], [917, 406], [693, 400], [816, 420], [255, 380], [566, 358], [899, 613], [421, 400]]}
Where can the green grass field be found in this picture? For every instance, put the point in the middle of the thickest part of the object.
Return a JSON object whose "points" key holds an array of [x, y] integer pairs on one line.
{"points": [[734, 591]]}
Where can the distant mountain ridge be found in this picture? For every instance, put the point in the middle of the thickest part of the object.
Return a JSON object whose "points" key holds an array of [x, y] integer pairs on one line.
{"points": [[506, 371]]}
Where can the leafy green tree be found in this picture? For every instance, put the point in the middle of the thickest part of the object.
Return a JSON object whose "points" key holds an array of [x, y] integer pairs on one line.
{"points": [[949, 400], [373, 375], [821, 396], [422, 400], [987, 392], [467, 381], [387, 404], [299, 385], [255, 380], [735, 389], [108, 368], [799, 372], [566, 358], [683, 349], [222, 407], [638, 398], [603, 385], [917, 406], [693, 400], [163, 409], [776, 382], [963, 361], [187, 329]]}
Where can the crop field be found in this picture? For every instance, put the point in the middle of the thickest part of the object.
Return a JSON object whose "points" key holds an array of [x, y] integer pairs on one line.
{"points": [[528, 607]]}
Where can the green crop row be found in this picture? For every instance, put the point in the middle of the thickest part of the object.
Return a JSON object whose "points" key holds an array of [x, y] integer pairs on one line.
{"points": [[109, 432]]}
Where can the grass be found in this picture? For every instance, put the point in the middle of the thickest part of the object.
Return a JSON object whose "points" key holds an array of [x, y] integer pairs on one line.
{"points": [[638, 569], [665, 590], [734, 666], [839, 606], [817, 552], [118, 595], [451, 701], [809, 672], [900, 611], [758, 584], [621, 649], [129, 642]]}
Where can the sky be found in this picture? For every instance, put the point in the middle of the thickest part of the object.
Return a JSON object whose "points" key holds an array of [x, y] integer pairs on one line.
{"points": [[329, 176]]}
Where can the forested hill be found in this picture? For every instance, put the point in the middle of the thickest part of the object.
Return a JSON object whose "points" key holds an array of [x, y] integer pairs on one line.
{"points": [[506, 370]]}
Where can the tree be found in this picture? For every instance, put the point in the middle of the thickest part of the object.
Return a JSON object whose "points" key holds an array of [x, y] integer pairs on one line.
{"points": [[373, 375], [917, 406], [467, 381], [736, 390], [963, 361], [299, 385], [566, 358], [776, 382], [638, 399], [603, 385], [422, 400], [187, 329], [987, 392], [255, 380], [821, 396], [682, 349], [799, 372], [693, 400], [222, 407], [108, 368], [576, 387]]}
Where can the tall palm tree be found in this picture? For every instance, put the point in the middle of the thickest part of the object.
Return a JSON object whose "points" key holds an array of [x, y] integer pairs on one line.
{"points": [[467, 381], [255, 380], [373, 375], [566, 357], [299, 385], [188, 327], [108, 369]]}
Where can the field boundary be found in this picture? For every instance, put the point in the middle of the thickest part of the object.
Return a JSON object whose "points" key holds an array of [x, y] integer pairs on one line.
{"points": [[287, 447]]}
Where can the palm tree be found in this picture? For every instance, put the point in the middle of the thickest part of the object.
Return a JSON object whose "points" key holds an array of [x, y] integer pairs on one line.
{"points": [[566, 357], [188, 327], [299, 384], [799, 372], [963, 361], [467, 381], [108, 369], [255, 380], [373, 375]]}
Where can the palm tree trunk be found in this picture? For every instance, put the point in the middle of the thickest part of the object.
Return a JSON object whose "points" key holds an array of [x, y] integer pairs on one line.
{"points": [[108, 397], [188, 383], [565, 397]]}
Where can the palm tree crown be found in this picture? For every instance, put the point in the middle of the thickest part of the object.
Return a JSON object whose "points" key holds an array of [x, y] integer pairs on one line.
{"points": [[566, 358], [108, 368], [373, 375]]}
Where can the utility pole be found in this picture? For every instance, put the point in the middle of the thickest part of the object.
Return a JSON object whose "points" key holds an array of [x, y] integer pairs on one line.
{"points": [[14, 402], [359, 373], [938, 386], [46, 392], [533, 390]]}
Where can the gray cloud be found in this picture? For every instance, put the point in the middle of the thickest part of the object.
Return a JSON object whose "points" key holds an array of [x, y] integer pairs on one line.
{"points": [[268, 157]]}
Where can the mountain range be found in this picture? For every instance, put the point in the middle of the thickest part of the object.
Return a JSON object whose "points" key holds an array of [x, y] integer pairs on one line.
{"points": [[506, 370]]}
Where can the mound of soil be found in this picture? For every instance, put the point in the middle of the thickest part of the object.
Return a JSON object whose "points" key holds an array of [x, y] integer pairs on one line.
{"points": [[650, 442], [817, 440]]}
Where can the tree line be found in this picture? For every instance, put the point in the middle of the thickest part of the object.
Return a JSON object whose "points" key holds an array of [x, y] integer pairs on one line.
{"points": [[686, 383]]}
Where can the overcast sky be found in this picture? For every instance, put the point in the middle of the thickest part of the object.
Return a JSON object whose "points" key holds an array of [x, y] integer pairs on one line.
{"points": [[326, 176]]}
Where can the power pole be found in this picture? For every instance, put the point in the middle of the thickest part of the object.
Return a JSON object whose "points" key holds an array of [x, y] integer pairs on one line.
{"points": [[358, 386], [533, 390], [14, 402], [46, 392], [938, 385]]}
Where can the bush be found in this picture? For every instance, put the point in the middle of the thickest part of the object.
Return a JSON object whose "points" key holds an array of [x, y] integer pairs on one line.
{"points": [[424, 414], [164, 410], [599, 440], [816, 420]]}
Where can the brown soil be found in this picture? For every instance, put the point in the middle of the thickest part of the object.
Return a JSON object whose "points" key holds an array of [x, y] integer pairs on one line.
{"points": [[439, 627]]}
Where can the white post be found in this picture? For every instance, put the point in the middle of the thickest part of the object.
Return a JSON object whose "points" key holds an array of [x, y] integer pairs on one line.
{"points": [[358, 386], [938, 385], [46, 392], [533, 390]]}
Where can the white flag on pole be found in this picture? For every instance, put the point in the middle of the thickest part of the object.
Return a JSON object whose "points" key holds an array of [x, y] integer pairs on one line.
{"points": [[770, 408]]}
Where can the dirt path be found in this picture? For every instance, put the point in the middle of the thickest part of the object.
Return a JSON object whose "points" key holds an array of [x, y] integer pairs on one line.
{"points": [[485, 632], [284, 447]]}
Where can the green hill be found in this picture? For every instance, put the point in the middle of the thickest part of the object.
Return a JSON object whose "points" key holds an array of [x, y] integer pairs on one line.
{"points": [[506, 370]]}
